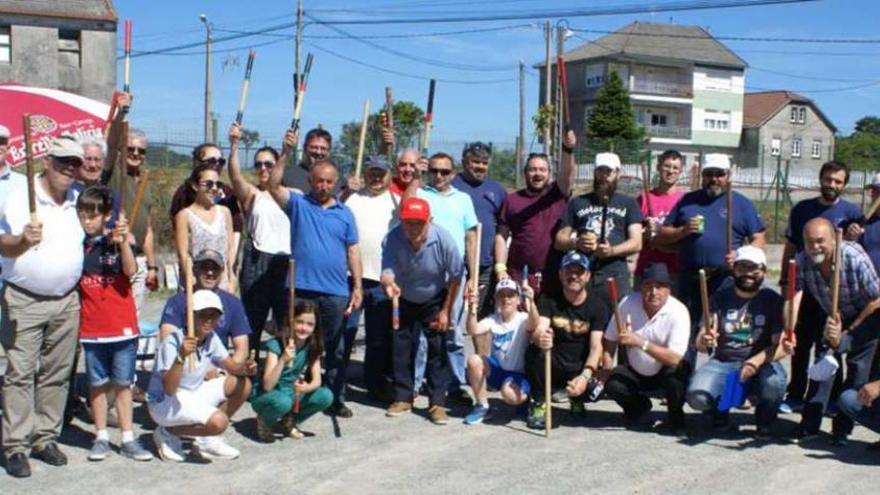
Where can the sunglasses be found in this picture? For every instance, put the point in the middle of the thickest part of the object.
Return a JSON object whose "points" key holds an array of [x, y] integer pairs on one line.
{"points": [[214, 162], [67, 162], [264, 164], [134, 150], [442, 172], [712, 172], [211, 184], [4, 141]]}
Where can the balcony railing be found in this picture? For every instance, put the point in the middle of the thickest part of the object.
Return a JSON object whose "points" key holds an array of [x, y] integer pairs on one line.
{"points": [[662, 88], [662, 131]]}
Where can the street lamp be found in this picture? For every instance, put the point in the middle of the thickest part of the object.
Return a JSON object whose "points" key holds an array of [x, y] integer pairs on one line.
{"points": [[208, 42]]}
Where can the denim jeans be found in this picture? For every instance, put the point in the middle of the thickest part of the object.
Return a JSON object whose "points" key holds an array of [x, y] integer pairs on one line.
{"points": [[767, 386], [332, 323], [869, 417]]}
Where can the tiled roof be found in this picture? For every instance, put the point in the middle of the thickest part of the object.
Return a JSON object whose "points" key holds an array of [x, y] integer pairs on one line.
{"points": [[758, 108], [92, 10]]}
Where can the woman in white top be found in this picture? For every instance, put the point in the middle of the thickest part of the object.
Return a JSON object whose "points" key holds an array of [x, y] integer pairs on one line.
{"points": [[204, 224], [267, 247]]}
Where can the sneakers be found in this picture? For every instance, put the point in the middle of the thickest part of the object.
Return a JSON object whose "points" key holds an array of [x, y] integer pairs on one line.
{"points": [[341, 411], [168, 446], [802, 436], [560, 396], [790, 405], [264, 432], [785, 408], [437, 415], [762, 433], [135, 451], [99, 451], [535, 420], [477, 415], [838, 440], [459, 396], [214, 448], [398, 408]]}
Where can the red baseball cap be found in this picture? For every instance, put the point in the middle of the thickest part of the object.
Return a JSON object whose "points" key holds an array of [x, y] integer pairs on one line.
{"points": [[415, 209]]}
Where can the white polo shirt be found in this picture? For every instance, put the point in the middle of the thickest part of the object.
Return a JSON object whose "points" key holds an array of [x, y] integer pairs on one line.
{"points": [[374, 217], [670, 327], [54, 266]]}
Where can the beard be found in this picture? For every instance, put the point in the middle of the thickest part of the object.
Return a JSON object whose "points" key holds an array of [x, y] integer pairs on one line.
{"points": [[714, 191], [817, 258], [830, 194], [748, 283], [604, 189]]}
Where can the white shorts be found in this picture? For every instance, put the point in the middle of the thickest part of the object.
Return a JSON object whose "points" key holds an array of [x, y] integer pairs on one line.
{"points": [[189, 407]]}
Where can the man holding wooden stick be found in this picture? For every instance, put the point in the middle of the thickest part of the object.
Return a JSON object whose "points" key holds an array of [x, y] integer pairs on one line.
{"points": [[571, 326], [851, 327], [41, 244], [656, 203]]}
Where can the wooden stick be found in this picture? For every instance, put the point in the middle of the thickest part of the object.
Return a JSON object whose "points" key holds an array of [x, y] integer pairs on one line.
{"points": [[389, 120], [123, 174], [126, 86], [190, 316], [245, 85], [646, 189], [835, 276], [704, 300], [395, 313], [291, 296], [729, 216], [29, 166], [613, 295], [139, 195], [873, 209], [790, 290], [548, 392], [301, 92], [362, 140], [475, 269], [563, 90], [108, 123], [429, 117]]}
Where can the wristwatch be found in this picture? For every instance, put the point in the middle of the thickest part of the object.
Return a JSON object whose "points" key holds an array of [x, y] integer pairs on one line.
{"points": [[645, 345]]}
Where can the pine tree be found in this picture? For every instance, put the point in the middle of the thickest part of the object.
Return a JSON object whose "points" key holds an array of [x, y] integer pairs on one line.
{"points": [[612, 125]]}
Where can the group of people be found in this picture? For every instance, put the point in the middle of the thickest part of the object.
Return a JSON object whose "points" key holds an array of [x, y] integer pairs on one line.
{"points": [[396, 249]]}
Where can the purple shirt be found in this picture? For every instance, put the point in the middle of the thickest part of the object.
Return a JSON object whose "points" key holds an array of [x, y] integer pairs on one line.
{"points": [[487, 196], [532, 220]]}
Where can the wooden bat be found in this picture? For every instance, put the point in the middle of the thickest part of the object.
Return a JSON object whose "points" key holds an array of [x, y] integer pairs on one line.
{"points": [[291, 293], [429, 117], [139, 195], [245, 85], [525, 281], [563, 90], [362, 140], [29, 166], [835, 277], [126, 85], [190, 316], [389, 119], [704, 299], [301, 92], [475, 269], [790, 290], [395, 313], [120, 156], [729, 217], [646, 189], [613, 295], [602, 233], [548, 392], [296, 400]]}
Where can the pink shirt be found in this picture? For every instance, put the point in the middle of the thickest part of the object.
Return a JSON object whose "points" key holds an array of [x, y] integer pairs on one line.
{"points": [[661, 204]]}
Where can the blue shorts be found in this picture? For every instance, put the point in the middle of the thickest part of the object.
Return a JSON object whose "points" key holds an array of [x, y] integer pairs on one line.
{"points": [[498, 377], [111, 362]]}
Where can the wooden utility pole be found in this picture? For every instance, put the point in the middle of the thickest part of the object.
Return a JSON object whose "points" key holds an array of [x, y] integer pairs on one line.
{"points": [[547, 79]]}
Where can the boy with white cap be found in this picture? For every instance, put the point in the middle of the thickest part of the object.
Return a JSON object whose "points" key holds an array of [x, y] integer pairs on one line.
{"points": [[698, 226], [182, 401], [744, 332], [508, 337], [604, 225]]}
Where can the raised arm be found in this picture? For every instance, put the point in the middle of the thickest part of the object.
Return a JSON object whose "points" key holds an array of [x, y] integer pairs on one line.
{"points": [[243, 190], [279, 192], [568, 173]]}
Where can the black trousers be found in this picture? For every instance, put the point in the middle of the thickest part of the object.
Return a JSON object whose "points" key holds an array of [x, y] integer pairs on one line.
{"points": [[561, 371], [262, 281], [808, 330], [629, 389], [414, 320]]}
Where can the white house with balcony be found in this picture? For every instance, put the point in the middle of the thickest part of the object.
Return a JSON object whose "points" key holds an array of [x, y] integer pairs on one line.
{"points": [[686, 88]]}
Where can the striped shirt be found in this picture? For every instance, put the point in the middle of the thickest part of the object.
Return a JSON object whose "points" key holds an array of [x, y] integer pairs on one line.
{"points": [[859, 283]]}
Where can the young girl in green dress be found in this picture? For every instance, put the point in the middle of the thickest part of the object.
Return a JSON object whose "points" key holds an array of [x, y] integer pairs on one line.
{"points": [[290, 387]]}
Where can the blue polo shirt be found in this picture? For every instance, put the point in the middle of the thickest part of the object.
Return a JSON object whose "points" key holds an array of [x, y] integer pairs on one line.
{"points": [[453, 210], [319, 241], [840, 214], [233, 322], [707, 250], [9, 180], [870, 240], [422, 274], [487, 196]]}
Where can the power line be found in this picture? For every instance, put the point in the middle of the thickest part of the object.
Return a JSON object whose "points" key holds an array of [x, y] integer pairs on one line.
{"points": [[736, 38], [810, 78], [821, 90], [387, 36]]}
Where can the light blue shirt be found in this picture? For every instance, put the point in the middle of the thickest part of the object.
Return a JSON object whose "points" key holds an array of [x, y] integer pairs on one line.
{"points": [[453, 210], [9, 181], [422, 274]]}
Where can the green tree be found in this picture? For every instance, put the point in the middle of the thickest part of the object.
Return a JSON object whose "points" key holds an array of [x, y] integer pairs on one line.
{"points": [[869, 124], [860, 150], [408, 119], [612, 125], [249, 138], [503, 168]]}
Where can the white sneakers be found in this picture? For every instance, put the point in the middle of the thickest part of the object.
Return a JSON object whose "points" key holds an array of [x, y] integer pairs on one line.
{"points": [[170, 447], [214, 448]]}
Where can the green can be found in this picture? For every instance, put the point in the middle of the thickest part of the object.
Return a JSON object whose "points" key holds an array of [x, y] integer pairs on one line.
{"points": [[701, 223]]}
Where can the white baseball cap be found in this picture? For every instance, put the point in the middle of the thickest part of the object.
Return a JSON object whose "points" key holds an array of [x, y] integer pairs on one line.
{"points": [[506, 284], [206, 299], [716, 160], [4, 132], [610, 160], [751, 253]]}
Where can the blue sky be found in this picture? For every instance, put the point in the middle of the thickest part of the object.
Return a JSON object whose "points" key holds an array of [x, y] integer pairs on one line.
{"points": [[169, 89]]}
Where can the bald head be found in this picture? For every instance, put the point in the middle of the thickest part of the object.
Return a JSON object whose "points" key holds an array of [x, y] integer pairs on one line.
{"points": [[819, 240]]}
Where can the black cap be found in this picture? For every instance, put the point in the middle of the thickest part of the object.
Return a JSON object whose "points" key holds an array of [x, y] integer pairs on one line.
{"points": [[657, 272]]}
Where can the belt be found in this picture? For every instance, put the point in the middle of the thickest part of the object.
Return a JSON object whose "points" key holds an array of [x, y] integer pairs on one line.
{"points": [[39, 296]]}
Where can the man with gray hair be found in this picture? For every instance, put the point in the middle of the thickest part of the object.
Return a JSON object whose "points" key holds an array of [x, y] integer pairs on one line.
{"points": [[94, 154]]}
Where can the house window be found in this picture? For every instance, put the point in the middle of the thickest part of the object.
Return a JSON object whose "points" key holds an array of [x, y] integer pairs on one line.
{"points": [[775, 146], [595, 75], [796, 148], [794, 115], [718, 80], [817, 149], [5, 45], [69, 47], [714, 120], [802, 115], [658, 119]]}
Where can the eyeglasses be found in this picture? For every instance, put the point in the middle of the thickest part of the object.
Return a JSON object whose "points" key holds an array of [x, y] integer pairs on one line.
{"points": [[211, 184], [67, 161], [134, 150], [214, 161], [4, 141], [442, 172], [264, 164], [714, 172]]}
